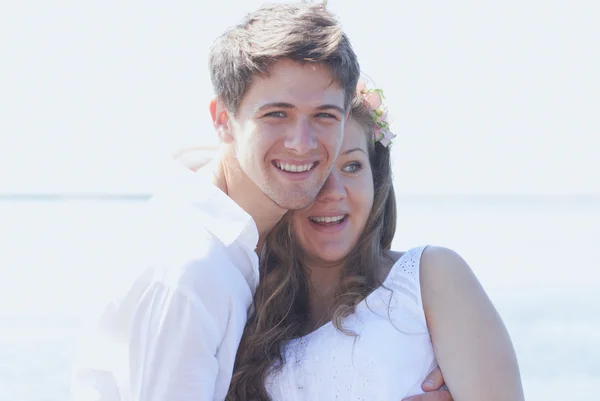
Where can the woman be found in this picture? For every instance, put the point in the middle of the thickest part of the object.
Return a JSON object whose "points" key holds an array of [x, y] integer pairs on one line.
{"points": [[338, 315]]}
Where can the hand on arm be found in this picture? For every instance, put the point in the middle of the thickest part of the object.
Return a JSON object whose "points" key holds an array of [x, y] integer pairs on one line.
{"points": [[434, 388], [194, 158]]}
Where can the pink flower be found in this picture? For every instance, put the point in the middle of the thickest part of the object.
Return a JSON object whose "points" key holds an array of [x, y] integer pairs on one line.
{"points": [[381, 115], [384, 136], [374, 100], [385, 142]]}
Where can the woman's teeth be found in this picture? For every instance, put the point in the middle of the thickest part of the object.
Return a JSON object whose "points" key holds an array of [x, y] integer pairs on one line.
{"points": [[328, 220], [292, 168]]}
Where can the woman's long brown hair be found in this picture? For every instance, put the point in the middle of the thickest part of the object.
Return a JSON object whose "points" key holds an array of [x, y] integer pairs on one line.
{"points": [[281, 300]]}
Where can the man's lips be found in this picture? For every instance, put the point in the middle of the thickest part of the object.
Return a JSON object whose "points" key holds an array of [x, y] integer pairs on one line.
{"points": [[294, 167]]}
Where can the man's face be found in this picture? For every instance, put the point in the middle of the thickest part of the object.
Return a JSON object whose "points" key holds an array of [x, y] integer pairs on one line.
{"points": [[288, 131]]}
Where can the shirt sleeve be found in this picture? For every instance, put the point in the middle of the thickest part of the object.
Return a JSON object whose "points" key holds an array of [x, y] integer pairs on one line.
{"points": [[172, 346], [169, 353]]}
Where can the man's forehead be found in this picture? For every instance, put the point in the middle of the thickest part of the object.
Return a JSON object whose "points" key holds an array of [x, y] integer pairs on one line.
{"points": [[259, 97], [293, 79]]}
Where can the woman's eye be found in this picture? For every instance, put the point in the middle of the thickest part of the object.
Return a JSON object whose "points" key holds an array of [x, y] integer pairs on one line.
{"points": [[353, 167]]}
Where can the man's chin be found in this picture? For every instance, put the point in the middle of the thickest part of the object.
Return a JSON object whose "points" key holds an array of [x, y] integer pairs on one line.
{"points": [[292, 196], [295, 201]]}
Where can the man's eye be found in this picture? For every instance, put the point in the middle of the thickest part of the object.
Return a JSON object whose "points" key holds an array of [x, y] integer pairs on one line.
{"points": [[326, 115], [278, 114]]}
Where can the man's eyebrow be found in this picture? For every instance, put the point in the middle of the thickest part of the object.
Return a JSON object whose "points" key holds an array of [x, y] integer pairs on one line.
{"points": [[354, 150], [278, 105], [283, 105], [332, 106]]}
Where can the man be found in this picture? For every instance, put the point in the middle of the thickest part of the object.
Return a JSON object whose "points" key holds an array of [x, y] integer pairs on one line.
{"points": [[283, 80]]}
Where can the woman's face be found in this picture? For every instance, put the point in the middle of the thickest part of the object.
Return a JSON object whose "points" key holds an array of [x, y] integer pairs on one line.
{"points": [[331, 226]]}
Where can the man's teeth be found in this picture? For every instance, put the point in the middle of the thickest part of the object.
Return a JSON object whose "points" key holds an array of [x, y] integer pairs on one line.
{"points": [[332, 219], [294, 168]]}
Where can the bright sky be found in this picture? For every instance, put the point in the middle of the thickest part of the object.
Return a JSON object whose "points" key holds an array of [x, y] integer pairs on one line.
{"points": [[486, 97]]}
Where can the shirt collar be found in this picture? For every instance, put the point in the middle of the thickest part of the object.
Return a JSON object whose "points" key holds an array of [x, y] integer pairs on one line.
{"points": [[222, 217]]}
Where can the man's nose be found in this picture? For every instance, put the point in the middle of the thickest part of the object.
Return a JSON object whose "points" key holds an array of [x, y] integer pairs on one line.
{"points": [[301, 138]]}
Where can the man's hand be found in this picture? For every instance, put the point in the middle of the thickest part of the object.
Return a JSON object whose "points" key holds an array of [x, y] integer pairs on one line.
{"points": [[433, 389], [195, 157]]}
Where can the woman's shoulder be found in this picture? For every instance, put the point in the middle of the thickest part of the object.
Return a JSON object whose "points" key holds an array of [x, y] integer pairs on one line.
{"points": [[440, 259]]}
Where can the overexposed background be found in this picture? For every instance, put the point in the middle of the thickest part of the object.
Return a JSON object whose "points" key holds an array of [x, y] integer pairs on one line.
{"points": [[496, 109], [500, 97]]}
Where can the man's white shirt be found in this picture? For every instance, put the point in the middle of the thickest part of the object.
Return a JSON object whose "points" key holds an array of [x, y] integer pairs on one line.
{"points": [[172, 333]]}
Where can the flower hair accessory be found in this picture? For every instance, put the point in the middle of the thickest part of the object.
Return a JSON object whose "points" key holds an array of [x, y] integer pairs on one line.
{"points": [[373, 100]]}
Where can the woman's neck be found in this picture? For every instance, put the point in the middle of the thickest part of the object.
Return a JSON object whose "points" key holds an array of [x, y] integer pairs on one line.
{"points": [[323, 283]]}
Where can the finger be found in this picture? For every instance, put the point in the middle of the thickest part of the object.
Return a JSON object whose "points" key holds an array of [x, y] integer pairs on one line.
{"points": [[442, 395], [194, 165], [195, 149], [434, 381], [194, 158]]}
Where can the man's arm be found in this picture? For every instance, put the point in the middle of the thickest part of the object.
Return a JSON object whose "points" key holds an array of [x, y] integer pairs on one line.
{"points": [[471, 343], [172, 346], [168, 352]]}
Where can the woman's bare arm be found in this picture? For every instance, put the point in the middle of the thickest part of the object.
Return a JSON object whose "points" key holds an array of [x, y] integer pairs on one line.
{"points": [[471, 343]]}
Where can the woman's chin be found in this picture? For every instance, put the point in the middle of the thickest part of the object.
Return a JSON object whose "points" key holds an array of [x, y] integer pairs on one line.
{"points": [[333, 254]]}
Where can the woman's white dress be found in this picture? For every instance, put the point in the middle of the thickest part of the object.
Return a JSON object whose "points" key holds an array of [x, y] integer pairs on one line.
{"points": [[389, 359]]}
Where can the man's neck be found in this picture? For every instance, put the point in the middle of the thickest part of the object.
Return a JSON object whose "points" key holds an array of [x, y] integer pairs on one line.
{"points": [[230, 178]]}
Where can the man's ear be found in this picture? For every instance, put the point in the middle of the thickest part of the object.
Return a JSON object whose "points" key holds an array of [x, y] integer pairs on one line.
{"points": [[220, 118]]}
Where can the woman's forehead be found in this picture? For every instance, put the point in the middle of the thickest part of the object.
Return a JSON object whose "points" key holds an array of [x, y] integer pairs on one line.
{"points": [[354, 136]]}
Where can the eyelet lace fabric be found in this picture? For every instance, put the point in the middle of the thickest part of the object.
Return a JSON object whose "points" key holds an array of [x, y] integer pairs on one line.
{"points": [[388, 360]]}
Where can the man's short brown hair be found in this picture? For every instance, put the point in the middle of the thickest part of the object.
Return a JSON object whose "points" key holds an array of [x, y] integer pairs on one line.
{"points": [[305, 33]]}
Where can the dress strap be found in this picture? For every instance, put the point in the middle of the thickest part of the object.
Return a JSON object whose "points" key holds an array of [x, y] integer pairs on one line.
{"points": [[405, 275]]}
